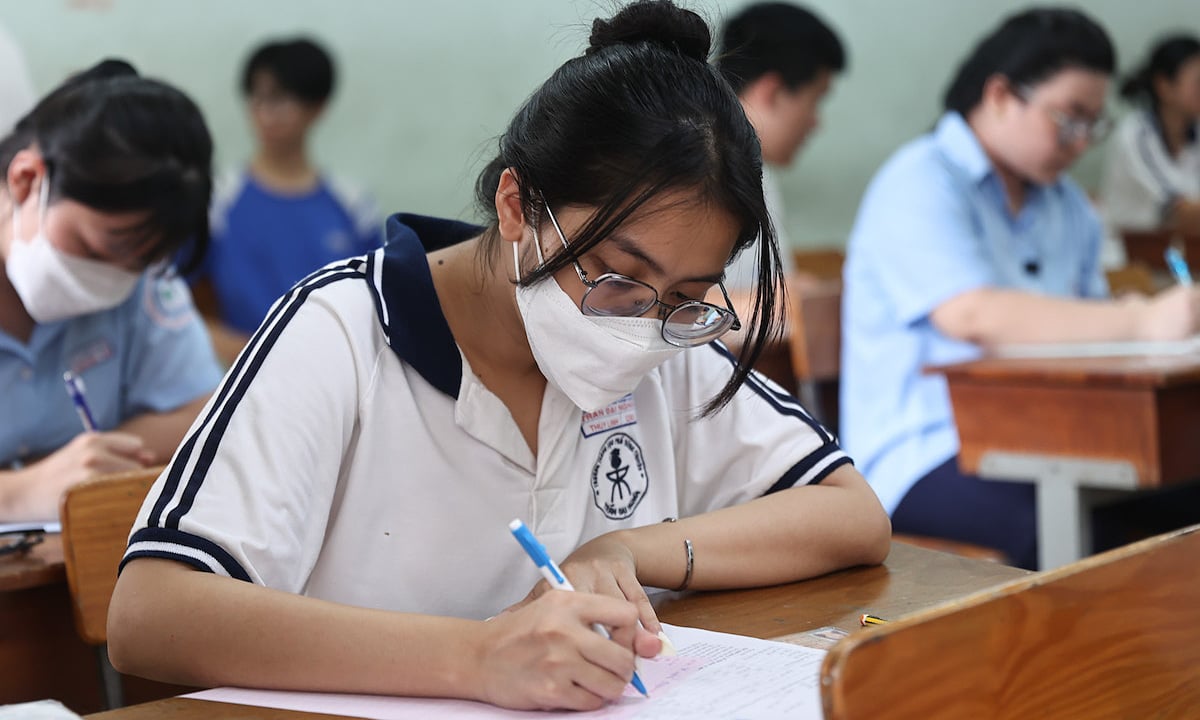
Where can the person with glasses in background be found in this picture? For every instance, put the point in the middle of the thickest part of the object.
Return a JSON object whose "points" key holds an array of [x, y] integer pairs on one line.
{"points": [[1152, 168], [106, 179], [396, 411], [973, 236]]}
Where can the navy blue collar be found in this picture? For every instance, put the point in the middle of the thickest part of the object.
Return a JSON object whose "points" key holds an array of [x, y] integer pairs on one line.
{"points": [[416, 327]]}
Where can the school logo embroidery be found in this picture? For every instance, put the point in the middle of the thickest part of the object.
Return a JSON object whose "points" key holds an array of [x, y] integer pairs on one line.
{"points": [[168, 303], [619, 479]]}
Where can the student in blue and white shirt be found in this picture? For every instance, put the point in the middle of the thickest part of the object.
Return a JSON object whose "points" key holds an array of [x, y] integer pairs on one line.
{"points": [[104, 178], [281, 218], [972, 236], [337, 519], [1152, 166]]}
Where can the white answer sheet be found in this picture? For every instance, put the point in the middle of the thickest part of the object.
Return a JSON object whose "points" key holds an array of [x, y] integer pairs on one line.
{"points": [[715, 675]]}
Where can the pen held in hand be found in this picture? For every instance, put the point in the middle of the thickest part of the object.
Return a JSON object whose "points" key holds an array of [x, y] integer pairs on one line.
{"points": [[1178, 266], [76, 391], [549, 570]]}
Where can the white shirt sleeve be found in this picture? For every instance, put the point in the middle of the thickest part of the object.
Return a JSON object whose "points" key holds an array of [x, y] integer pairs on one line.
{"points": [[762, 442], [249, 492]]}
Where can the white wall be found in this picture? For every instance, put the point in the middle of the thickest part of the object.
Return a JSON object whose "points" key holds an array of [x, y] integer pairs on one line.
{"points": [[426, 86]]}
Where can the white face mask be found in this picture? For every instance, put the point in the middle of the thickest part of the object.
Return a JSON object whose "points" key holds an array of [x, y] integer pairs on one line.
{"points": [[54, 285], [594, 361]]}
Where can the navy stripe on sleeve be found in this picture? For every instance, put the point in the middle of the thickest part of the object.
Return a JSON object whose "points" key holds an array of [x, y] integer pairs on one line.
{"points": [[805, 466], [783, 403], [198, 552], [232, 389]]}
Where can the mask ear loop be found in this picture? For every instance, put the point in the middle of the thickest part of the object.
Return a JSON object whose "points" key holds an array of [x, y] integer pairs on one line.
{"points": [[537, 248]]}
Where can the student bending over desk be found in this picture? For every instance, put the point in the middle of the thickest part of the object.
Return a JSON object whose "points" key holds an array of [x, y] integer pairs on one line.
{"points": [[973, 236], [346, 495], [104, 179]]}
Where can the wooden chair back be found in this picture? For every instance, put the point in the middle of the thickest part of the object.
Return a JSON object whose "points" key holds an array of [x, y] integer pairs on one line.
{"points": [[97, 516], [1113, 635], [814, 318], [824, 263]]}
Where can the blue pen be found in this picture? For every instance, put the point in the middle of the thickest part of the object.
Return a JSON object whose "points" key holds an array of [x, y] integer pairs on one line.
{"points": [[554, 576], [1178, 266], [76, 391]]}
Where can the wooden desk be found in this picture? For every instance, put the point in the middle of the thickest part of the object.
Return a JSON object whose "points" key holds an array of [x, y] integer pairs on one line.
{"points": [[1148, 246], [911, 579], [41, 655], [1074, 426]]}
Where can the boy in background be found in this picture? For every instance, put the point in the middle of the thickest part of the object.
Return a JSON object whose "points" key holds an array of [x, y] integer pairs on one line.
{"points": [[279, 218]]}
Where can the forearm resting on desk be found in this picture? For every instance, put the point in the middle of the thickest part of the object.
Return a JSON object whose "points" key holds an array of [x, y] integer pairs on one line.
{"points": [[993, 316], [786, 536], [170, 622]]}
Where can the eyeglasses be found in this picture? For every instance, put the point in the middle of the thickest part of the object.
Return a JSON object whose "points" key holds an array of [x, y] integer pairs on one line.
{"points": [[18, 542], [687, 324], [1070, 129]]}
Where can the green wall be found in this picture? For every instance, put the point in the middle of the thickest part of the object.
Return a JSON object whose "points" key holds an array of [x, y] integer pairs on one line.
{"points": [[426, 86]]}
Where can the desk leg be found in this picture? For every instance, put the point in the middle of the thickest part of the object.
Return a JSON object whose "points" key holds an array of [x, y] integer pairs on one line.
{"points": [[1064, 523]]}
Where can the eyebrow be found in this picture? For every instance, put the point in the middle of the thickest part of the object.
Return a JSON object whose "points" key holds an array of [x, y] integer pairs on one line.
{"points": [[630, 248]]}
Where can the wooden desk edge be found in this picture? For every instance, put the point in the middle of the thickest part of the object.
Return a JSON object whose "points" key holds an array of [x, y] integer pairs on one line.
{"points": [[835, 660], [39, 566]]}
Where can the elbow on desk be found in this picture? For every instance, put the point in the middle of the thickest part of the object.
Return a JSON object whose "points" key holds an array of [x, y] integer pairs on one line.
{"points": [[876, 539]]}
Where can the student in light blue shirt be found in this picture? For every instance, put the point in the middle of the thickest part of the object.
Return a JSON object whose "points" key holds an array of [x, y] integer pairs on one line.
{"points": [[972, 236], [104, 179]]}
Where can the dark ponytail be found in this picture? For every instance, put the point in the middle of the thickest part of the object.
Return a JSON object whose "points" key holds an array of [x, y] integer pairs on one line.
{"points": [[1028, 48], [640, 113], [1168, 55], [118, 142]]}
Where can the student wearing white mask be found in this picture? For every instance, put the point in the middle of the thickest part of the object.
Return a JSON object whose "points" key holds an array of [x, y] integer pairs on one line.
{"points": [[105, 179], [359, 467]]}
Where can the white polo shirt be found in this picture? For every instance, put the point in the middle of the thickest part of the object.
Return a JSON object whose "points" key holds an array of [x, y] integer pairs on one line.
{"points": [[1141, 180], [352, 455]]}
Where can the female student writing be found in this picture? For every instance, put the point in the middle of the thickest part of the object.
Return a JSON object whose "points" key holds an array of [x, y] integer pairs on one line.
{"points": [[107, 176], [973, 236], [346, 494], [1152, 168]]}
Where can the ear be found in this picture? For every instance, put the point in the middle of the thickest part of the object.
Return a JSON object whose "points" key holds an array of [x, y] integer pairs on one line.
{"points": [[763, 92], [1161, 86], [998, 93], [24, 170], [509, 213]]}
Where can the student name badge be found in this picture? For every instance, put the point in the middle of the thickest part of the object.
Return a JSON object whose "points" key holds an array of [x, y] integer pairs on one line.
{"points": [[619, 414]]}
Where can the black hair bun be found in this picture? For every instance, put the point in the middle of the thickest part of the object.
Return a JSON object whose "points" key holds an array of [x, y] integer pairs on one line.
{"points": [[660, 22], [108, 68]]}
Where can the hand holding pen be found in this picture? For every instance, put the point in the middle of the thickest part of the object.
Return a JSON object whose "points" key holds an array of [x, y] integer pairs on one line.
{"points": [[1178, 266], [556, 579]]}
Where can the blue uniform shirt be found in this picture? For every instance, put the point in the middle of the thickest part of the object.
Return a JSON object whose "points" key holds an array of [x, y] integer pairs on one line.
{"points": [[934, 223], [151, 353], [264, 242]]}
